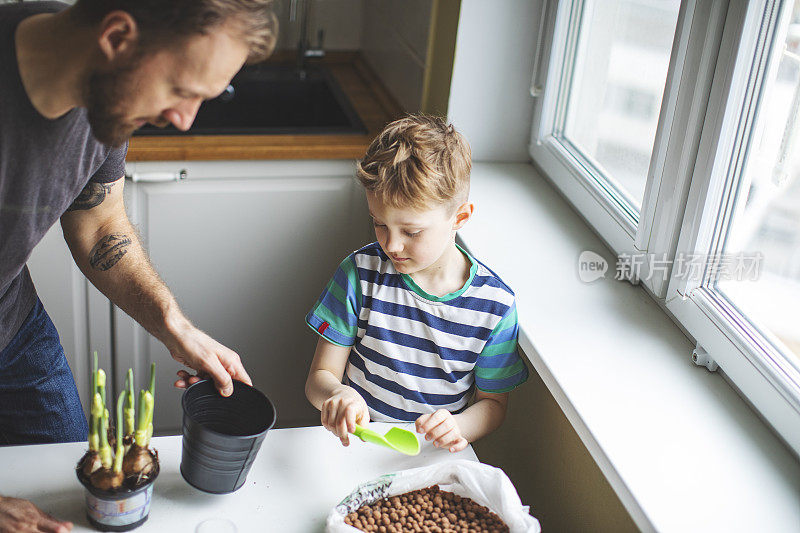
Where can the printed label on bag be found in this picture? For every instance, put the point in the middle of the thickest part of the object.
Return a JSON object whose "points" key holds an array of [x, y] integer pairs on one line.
{"points": [[366, 493]]}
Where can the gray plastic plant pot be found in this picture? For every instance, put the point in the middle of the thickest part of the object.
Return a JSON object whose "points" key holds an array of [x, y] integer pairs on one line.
{"points": [[222, 436]]}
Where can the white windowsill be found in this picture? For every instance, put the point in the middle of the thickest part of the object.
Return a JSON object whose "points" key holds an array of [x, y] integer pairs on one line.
{"points": [[678, 445]]}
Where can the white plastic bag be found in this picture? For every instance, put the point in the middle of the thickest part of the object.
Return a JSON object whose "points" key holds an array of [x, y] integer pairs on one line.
{"points": [[487, 485]]}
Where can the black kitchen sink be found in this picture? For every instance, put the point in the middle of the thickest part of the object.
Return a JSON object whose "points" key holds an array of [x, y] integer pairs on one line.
{"points": [[274, 100]]}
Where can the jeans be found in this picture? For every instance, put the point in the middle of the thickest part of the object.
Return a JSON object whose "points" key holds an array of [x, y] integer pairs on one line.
{"points": [[39, 401]]}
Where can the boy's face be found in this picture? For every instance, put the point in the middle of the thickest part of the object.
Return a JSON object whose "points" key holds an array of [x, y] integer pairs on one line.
{"points": [[415, 239]]}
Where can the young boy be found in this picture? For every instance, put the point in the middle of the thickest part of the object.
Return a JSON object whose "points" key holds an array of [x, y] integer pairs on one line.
{"points": [[413, 321]]}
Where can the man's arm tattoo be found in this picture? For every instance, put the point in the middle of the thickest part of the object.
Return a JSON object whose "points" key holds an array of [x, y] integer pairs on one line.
{"points": [[91, 196], [108, 251]]}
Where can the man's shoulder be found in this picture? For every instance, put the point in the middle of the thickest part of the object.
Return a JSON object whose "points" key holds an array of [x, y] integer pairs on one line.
{"points": [[19, 11], [12, 14]]}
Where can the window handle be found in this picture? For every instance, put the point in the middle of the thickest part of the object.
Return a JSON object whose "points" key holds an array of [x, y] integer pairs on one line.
{"points": [[537, 85], [700, 357]]}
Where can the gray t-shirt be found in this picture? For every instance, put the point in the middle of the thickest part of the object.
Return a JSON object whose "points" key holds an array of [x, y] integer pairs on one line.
{"points": [[44, 165]]}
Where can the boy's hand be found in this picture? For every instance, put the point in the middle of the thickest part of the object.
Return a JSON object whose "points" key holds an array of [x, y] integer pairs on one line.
{"points": [[342, 411], [441, 427]]}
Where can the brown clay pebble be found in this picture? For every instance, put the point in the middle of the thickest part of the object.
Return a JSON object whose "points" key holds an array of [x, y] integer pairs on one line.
{"points": [[429, 510]]}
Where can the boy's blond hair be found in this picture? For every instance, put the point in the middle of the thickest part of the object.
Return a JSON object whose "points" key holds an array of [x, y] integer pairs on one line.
{"points": [[417, 162]]}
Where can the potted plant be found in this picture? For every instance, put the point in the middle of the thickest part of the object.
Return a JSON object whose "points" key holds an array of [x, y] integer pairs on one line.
{"points": [[119, 468]]}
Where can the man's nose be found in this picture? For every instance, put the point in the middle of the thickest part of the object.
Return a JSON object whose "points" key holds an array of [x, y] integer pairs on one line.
{"points": [[182, 115]]}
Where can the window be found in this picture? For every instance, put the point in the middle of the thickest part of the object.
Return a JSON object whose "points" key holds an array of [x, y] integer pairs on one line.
{"points": [[618, 76], [674, 128]]}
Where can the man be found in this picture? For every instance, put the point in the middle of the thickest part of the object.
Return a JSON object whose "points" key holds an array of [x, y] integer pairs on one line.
{"points": [[76, 82]]}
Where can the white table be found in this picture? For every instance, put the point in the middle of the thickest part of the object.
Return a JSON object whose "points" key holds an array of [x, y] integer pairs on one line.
{"points": [[298, 477]]}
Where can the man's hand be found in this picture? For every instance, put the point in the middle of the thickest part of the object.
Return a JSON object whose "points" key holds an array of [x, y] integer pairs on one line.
{"points": [[209, 358], [342, 411], [21, 516], [441, 427]]}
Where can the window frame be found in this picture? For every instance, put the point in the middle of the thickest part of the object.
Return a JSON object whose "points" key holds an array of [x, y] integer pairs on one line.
{"points": [[747, 356], [557, 155]]}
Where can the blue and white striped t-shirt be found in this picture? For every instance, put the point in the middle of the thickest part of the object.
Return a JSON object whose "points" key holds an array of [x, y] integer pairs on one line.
{"points": [[412, 352]]}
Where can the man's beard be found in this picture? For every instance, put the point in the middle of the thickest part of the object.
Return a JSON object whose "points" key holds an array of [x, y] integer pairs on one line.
{"points": [[106, 92]]}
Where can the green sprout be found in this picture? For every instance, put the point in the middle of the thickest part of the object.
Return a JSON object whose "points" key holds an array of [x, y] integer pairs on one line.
{"points": [[101, 384], [120, 446], [152, 388], [97, 414], [94, 374], [105, 448], [130, 409], [94, 441], [152, 391], [144, 427]]}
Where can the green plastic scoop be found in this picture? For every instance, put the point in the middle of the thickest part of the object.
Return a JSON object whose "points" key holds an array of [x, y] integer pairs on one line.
{"points": [[402, 440]]}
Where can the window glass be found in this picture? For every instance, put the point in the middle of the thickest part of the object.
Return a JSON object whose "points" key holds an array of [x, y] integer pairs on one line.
{"points": [[620, 69], [765, 227]]}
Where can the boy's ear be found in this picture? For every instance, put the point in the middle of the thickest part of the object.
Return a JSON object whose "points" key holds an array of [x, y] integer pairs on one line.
{"points": [[463, 214], [118, 35]]}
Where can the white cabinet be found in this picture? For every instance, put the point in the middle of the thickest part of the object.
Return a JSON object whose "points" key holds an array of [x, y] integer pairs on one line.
{"points": [[246, 247]]}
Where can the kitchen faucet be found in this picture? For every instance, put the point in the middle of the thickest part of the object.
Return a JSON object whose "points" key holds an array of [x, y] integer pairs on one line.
{"points": [[304, 49]]}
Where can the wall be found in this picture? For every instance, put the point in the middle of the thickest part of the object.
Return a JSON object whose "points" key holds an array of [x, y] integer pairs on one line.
{"points": [[490, 100], [550, 467], [439, 61], [395, 44], [341, 21]]}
